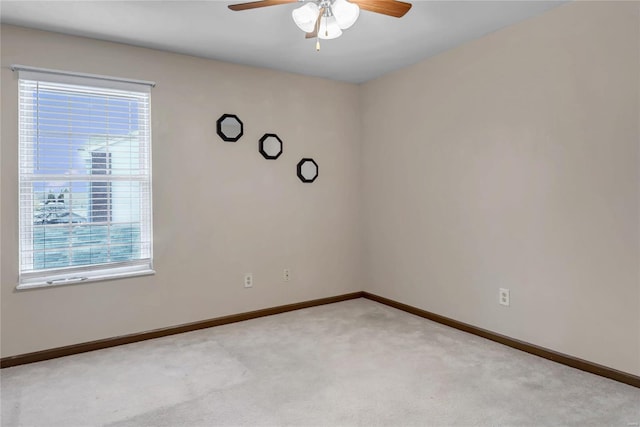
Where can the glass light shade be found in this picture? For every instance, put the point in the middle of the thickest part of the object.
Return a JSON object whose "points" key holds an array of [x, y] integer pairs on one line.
{"points": [[306, 16], [329, 28], [346, 13]]}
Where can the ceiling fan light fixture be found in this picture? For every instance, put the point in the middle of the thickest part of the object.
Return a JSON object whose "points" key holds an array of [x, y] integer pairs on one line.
{"points": [[329, 28], [306, 16], [345, 12]]}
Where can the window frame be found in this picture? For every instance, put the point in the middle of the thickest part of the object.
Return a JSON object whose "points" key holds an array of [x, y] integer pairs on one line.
{"points": [[28, 279]]}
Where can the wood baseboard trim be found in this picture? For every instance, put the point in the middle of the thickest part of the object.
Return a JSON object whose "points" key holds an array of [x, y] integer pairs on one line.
{"points": [[555, 356], [69, 350]]}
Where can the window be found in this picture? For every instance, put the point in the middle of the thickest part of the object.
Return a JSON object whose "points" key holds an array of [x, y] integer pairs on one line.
{"points": [[85, 178]]}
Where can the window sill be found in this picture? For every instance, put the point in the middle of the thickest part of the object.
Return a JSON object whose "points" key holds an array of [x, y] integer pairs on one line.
{"points": [[45, 282]]}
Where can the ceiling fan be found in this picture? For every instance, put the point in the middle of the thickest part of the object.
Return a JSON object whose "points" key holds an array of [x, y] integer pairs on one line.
{"points": [[325, 19]]}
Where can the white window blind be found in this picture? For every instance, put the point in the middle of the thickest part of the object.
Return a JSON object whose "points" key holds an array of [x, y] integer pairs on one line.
{"points": [[85, 178]]}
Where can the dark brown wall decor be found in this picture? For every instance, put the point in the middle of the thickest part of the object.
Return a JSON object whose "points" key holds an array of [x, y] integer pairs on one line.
{"points": [[307, 170], [270, 146], [229, 127]]}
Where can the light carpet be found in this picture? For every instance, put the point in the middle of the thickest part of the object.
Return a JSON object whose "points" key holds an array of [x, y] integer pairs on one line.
{"points": [[354, 363]]}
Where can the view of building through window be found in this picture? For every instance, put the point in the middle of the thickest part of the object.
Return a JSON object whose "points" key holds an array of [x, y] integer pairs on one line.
{"points": [[84, 158]]}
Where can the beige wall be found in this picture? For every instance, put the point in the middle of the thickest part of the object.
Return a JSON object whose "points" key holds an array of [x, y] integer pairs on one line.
{"points": [[220, 209], [513, 162]]}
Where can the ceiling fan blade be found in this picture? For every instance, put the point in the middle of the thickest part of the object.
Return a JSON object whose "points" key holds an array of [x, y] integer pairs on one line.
{"points": [[316, 27], [386, 7], [257, 4]]}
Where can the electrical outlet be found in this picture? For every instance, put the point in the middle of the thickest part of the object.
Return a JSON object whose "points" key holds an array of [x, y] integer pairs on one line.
{"points": [[503, 296], [248, 280], [286, 275]]}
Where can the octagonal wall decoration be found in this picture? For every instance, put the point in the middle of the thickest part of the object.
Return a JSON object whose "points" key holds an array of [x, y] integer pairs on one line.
{"points": [[307, 170], [270, 146], [229, 127]]}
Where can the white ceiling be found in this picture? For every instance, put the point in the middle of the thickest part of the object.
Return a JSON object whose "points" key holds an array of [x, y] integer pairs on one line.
{"points": [[267, 37]]}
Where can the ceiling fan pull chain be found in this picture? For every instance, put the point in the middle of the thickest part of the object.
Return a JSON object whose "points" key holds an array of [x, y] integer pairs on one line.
{"points": [[318, 25], [328, 13]]}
